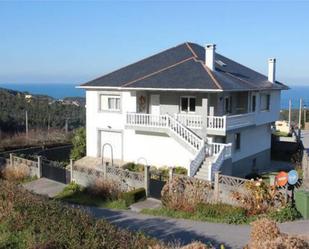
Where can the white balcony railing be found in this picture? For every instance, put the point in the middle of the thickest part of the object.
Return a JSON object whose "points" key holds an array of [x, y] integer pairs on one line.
{"points": [[168, 122], [190, 120], [213, 123], [224, 123]]}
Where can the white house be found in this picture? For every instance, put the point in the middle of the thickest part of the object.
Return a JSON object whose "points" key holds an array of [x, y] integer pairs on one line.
{"points": [[186, 106]]}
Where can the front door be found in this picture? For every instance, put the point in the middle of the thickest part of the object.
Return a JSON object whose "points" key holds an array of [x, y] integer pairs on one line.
{"points": [[155, 104]]}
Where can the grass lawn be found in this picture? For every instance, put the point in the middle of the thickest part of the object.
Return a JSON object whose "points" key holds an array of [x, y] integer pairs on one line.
{"points": [[78, 195], [214, 214], [224, 213]]}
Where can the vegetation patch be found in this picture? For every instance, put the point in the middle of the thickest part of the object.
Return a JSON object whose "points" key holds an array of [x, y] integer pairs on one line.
{"points": [[192, 199], [30, 221], [102, 194], [218, 213], [266, 234]]}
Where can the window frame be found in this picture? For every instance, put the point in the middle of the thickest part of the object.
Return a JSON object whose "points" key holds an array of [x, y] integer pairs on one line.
{"points": [[253, 103], [188, 104], [108, 97], [268, 96], [227, 100], [237, 140]]}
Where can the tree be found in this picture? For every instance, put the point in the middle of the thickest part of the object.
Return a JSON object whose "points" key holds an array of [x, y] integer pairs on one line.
{"points": [[79, 144]]}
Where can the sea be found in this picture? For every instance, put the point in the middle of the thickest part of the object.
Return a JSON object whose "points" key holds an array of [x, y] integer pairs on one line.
{"points": [[59, 91]]}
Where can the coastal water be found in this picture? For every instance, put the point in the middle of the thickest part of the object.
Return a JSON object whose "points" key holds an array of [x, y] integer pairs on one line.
{"points": [[56, 90], [59, 91]]}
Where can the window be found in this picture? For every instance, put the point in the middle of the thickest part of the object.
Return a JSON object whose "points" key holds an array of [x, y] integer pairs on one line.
{"points": [[188, 104], [109, 103], [253, 103], [237, 141], [227, 105], [265, 102]]}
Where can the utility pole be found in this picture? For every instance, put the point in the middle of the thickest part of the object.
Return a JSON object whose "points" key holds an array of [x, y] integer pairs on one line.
{"points": [[305, 116], [27, 128], [299, 120], [48, 124], [66, 125], [290, 110]]}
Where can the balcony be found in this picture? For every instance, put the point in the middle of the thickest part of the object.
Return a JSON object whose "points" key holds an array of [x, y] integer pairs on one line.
{"points": [[216, 125]]}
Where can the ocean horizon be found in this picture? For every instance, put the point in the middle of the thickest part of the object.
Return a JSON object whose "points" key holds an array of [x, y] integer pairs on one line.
{"points": [[62, 90]]}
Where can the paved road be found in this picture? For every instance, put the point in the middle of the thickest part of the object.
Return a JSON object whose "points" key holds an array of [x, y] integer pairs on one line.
{"points": [[185, 231]]}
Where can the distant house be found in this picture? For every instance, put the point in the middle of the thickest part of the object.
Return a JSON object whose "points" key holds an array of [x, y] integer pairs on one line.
{"points": [[186, 106], [28, 97]]}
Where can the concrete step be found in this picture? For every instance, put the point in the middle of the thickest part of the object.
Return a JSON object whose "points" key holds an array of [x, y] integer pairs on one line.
{"points": [[203, 170], [202, 175]]}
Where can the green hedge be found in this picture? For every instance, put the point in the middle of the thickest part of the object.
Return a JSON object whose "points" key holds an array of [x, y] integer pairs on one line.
{"points": [[134, 196]]}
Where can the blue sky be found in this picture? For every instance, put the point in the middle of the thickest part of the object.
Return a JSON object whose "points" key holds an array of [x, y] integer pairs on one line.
{"points": [[72, 42]]}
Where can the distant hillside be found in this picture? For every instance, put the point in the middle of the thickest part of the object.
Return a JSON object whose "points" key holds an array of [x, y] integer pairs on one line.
{"points": [[43, 112]]}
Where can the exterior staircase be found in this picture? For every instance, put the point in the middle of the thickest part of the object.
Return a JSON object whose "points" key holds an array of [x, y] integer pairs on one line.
{"points": [[204, 171], [208, 156]]}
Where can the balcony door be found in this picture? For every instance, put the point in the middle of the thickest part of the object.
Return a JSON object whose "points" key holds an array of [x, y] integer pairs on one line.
{"points": [[155, 104]]}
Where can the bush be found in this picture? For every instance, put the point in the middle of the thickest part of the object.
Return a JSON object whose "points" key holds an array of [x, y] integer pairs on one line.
{"points": [[15, 173], [37, 222], [259, 197], [134, 167], [79, 144], [106, 189], [288, 213], [224, 212], [134, 196], [266, 234], [185, 193], [180, 171]]}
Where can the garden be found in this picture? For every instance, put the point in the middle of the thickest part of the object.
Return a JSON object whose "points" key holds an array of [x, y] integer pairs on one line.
{"points": [[194, 199]]}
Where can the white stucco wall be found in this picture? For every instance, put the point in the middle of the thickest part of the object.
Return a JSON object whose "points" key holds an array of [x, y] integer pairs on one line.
{"points": [[157, 149], [253, 140]]}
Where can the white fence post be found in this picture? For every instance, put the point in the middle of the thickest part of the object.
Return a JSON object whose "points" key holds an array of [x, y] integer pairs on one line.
{"points": [[105, 170], [39, 173], [146, 179], [216, 187], [170, 179], [11, 160], [71, 171]]}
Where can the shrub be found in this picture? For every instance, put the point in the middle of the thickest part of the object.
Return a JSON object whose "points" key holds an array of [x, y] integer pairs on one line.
{"points": [[106, 189], [79, 144], [134, 167], [288, 213], [266, 234], [185, 193], [259, 197], [133, 196], [36, 222], [224, 212], [15, 173], [180, 171]]}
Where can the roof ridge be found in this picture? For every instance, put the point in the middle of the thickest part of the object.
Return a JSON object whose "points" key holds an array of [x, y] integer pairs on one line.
{"points": [[191, 49], [148, 57], [156, 72], [210, 73]]}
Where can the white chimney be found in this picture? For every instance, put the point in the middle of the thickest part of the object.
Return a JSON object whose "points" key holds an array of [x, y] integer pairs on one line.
{"points": [[272, 70], [210, 56]]}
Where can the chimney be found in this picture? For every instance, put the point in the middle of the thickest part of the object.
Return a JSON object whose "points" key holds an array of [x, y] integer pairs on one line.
{"points": [[210, 56], [272, 70]]}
